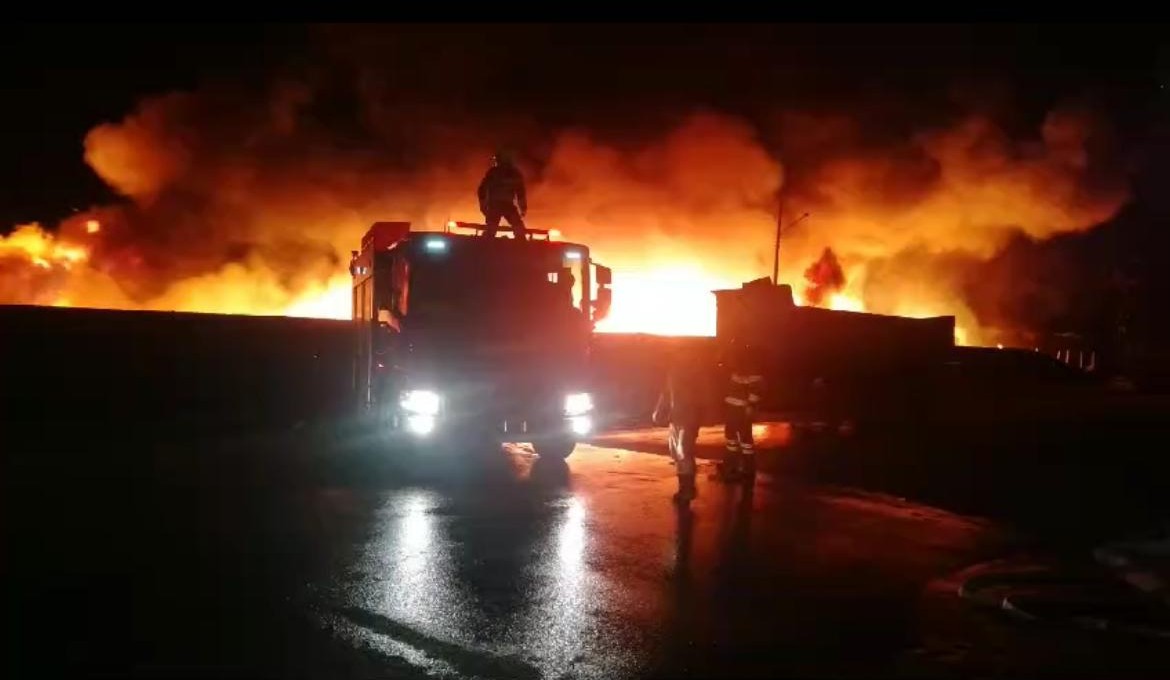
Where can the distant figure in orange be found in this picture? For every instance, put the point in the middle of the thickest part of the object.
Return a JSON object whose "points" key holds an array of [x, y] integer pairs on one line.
{"points": [[502, 195]]}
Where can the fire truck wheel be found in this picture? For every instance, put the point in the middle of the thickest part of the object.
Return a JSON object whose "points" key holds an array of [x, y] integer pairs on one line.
{"points": [[558, 449]]}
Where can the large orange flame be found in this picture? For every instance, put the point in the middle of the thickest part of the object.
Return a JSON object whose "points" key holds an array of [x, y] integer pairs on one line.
{"points": [[211, 225], [668, 300], [41, 249], [661, 299]]}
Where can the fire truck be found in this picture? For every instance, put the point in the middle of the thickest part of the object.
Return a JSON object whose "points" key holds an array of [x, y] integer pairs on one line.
{"points": [[460, 337]]}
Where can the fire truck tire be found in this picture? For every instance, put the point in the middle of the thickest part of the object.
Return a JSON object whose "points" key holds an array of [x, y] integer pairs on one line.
{"points": [[558, 449]]}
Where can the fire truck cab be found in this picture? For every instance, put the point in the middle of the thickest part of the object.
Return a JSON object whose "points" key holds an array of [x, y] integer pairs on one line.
{"points": [[460, 334]]}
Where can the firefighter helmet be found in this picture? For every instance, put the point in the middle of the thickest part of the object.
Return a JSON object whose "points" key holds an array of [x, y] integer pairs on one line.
{"points": [[503, 156]]}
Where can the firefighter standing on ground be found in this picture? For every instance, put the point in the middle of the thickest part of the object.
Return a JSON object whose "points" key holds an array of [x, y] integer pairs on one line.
{"points": [[681, 405], [740, 401], [502, 195]]}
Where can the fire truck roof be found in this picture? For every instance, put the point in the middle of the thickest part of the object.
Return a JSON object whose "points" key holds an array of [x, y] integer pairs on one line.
{"points": [[383, 235], [435, 242]]}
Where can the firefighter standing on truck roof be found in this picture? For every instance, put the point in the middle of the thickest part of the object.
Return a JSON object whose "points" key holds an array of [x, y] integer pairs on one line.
{"points": [[743, 395], [502, 194], [680, 404]]}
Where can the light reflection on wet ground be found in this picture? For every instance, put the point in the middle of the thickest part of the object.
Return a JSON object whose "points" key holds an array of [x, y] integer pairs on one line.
{"points": [[589, 571]]}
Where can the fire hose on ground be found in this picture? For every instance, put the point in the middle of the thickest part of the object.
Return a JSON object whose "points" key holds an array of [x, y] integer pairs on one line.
{"points": [[1125, 592]]}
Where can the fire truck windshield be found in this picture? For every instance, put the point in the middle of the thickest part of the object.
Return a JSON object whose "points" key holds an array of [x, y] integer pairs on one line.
{"points": [[511, 288]]}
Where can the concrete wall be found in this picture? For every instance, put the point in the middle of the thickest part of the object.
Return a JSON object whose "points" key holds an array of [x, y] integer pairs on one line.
{"points": [[107, 366]]}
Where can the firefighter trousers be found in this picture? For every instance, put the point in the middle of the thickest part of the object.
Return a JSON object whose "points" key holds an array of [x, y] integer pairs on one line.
{"points": [[492, 215], [681, 441], [737, 430]]}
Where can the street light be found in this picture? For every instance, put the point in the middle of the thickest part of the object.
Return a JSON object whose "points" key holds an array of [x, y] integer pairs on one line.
{"points": [[776, 254]]}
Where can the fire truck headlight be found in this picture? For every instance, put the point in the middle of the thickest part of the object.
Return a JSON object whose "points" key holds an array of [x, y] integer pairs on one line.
{"points": [[578, 403], [420, 402], [581, 425], [420, 425]]}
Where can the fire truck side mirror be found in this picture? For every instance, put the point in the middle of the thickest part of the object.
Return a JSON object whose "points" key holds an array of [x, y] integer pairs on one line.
{"points": [[602, 304], [604, 276]]}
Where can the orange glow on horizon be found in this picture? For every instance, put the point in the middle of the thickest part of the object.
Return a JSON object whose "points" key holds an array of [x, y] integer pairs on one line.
{"points": [[662, 299]]}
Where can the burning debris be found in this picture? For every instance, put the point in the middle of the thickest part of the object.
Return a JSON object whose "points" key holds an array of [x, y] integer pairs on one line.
{"points": [[35, 265], [33, 245], [823, 278]]}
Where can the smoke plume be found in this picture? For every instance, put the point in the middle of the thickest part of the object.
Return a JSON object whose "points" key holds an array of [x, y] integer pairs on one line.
{"points": [[246, 200]]}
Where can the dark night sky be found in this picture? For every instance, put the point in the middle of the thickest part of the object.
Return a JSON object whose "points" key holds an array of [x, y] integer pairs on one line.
{"points": [[62, 80]]}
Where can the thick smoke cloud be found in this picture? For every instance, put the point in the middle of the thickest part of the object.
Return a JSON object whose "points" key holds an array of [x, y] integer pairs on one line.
{"points": [[248, 199], [913, 219]]}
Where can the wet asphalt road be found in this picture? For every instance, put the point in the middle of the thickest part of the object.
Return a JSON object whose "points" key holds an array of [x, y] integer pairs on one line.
{"points": [[499, 566], [588, 571]]}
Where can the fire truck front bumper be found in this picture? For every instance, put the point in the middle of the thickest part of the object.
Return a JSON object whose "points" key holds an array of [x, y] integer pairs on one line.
{"points": [[426, 414]]}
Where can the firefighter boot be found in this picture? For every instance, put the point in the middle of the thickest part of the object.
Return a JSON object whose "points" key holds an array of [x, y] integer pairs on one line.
{"points": [[686, 490], [728, 469], [747, 471]]}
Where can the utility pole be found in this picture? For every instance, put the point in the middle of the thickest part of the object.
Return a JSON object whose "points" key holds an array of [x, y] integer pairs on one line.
{"points": [[776, 252]]}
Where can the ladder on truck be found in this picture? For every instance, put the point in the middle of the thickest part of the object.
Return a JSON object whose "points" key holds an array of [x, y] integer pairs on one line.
{"points": [[480, 229]]}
